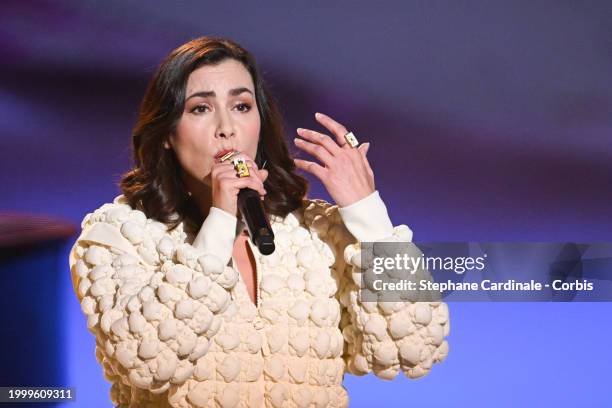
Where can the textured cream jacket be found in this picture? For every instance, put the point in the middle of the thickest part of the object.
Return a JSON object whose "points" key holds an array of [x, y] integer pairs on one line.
{"points": [[175, 326]]}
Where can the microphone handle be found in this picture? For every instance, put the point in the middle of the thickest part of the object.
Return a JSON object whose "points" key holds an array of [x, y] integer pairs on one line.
{"points": [[260, 231]]}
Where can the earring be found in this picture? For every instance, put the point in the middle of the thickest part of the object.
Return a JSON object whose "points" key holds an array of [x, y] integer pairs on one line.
{"points": [[264, 164]]}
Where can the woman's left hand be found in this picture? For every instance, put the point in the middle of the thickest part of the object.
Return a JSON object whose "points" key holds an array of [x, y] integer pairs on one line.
{"points": [[346, 172]]}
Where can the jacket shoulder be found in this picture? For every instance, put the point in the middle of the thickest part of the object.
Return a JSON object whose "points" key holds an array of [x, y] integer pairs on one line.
{"points": [[316, 210], [120, 214], [115, 212]]}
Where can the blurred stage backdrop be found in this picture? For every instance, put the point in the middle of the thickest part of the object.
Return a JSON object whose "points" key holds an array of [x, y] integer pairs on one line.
{"points": [[488, 121]]}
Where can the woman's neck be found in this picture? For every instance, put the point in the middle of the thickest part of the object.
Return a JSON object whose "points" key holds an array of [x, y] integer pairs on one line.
{"points": [[201, 193]]}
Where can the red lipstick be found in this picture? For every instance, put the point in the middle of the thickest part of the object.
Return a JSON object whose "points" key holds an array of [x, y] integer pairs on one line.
{"points": [[222, 153]]}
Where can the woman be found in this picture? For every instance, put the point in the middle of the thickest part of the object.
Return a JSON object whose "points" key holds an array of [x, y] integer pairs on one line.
{"points": [[185, 310]]}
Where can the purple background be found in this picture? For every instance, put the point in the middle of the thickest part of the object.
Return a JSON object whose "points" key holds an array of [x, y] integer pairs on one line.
{"points": [[488, 120]]}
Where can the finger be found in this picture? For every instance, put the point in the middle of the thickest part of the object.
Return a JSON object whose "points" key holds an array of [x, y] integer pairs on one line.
{"points": [[243, 156], [250, 162], [254, 172], [252, 166], [320, 138], [263, 174], [315, 150], [254, 184], [337, 129], [247, 182], [224, 168], [363, 149], [221, 168], [222, 163], [311, 167], [230, 172]]}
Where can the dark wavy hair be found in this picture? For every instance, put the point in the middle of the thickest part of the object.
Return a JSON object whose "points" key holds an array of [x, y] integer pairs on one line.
{"points": [[154, 185]]}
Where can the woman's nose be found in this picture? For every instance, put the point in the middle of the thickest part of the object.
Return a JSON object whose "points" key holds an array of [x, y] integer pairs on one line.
{"points": [[223, 134], [225, 127]]}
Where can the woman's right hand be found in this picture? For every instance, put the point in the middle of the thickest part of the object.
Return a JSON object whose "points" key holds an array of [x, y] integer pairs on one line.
{"points": [[226, 184]]}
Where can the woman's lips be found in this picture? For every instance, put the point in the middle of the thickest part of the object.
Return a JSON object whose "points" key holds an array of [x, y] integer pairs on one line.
{"points": [[223, 153]]}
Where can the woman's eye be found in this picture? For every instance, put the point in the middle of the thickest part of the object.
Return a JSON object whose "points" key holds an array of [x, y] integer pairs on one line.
{"points": [[243, 107], [199, 109]]}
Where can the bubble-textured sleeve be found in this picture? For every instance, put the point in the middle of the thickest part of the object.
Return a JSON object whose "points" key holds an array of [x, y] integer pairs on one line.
{"points": [[152, 301], [380, 337]]}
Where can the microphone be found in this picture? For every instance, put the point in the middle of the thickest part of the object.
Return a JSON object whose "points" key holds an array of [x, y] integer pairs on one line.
{"points": [[251, 208]]}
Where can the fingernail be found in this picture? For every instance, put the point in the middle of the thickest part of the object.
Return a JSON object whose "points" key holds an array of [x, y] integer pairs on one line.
{"points": [[367, 146], [299, 130], [318, 115]]}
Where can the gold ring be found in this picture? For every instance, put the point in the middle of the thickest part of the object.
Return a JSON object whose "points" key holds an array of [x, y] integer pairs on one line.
{"points": [[241, 167], [228, 155], [351, 139]]}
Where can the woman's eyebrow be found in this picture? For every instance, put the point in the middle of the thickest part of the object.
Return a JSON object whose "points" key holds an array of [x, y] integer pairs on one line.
{"points": [[212, 94]]}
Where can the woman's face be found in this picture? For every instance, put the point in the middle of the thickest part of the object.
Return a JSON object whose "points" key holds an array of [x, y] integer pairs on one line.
{"points": [[220, 113]]}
